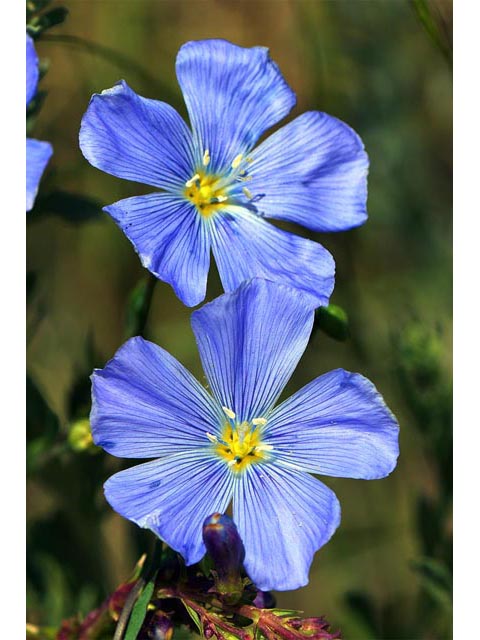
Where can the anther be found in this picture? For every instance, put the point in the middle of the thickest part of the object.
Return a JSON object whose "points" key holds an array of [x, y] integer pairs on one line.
{"points": [[259, 422], [206, 158], [264, 447], [229, 413], [237, 160], [247, 193], [211, 437], [218, 199], [191, 182]]}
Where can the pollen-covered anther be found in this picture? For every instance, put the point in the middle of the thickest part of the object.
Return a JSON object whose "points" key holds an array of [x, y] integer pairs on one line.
{"points": [[259, 422], [206, 158], [237, 161], [229, 413], [192, 181], [247, 193], [211, 437]]}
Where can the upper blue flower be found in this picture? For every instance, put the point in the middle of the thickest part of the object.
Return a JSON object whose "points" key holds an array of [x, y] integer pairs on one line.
{"points": [[216, 187], [38, 152], [235, 444]]}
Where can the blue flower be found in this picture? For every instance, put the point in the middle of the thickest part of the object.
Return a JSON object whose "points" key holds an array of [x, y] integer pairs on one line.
{"points": [[38, 152], [216, 188], [235, 444]]}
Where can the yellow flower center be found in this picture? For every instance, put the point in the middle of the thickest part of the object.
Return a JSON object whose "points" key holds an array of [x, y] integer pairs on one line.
{"points": [[241, 444], [206, 193]]}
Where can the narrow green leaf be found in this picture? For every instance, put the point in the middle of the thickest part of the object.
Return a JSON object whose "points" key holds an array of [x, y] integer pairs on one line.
{"points": [[139, 610], [194, 616]]}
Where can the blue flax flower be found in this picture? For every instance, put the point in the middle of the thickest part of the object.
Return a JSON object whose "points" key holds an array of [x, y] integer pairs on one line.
{"points": [[216, 187], [235, 444], [38, 152]]}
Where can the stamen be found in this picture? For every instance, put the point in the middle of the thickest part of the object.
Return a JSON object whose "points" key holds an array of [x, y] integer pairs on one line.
{"points": [[212, 438], [247, 193], [206, 158], [218, 199], [237, 160], [229, 413], [264, 447], [259, 422], [191, 182]]}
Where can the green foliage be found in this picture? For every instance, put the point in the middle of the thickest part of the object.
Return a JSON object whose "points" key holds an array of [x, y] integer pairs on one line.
{"points": [[139, 610]]}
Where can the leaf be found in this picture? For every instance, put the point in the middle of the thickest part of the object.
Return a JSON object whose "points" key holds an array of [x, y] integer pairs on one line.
{"points": [[139, 610], [194, 616]]}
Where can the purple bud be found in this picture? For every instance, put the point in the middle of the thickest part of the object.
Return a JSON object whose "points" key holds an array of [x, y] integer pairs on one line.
{"points": [[225, 547]]}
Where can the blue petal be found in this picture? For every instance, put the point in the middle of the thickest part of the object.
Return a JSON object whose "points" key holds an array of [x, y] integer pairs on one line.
{"points": [[137, 139], [172, 497], [38, 155], [250, 342], [32, 69], [246, 246], [171, 239], [232, 94], [313, 172], [283, 517], [145, 404], [338, 425]]}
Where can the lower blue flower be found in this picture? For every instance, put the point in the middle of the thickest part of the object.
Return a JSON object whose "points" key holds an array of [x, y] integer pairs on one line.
{"points": [[235, 445]]}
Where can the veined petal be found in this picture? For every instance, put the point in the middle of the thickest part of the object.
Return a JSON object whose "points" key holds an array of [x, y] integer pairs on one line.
{"points": [[246, 246], [283, 517], [232, 95], [38, 155], [171, 239], [338, 425], [136, 138], [145, 404], [32, 69], [172, 497], [250, 342], [313, 172]]}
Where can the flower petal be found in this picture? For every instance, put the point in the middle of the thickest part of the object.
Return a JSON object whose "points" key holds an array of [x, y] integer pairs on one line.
{"points": [[136, 138], [246, 246], [38, 155], [338, 425], [32, 69], [171, 239], [283, 517], [172, 497], [313, 172], [145, 404], [250, 342], [232, 94]]}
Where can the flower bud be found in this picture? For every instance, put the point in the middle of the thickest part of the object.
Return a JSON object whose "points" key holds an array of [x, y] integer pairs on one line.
{"points": [[80, 436], [225, 547]]}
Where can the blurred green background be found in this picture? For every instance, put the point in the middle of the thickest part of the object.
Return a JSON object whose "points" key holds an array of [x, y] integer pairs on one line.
{"points": [[372, 63]]}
